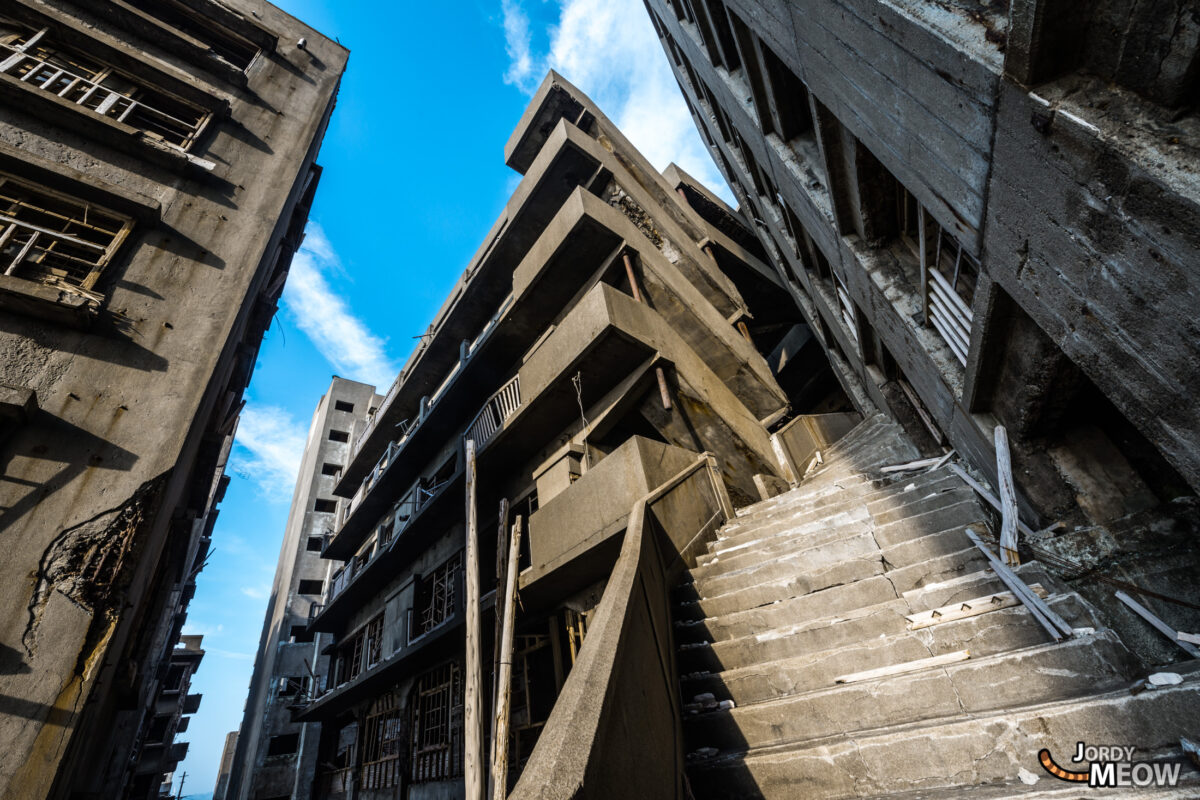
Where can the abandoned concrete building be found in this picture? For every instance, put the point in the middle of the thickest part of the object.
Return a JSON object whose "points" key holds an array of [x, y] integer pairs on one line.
{"points": [[618, 328], [157, 165], [274, 756]]}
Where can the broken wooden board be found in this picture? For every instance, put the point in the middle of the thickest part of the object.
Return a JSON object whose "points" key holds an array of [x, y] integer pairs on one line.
{"points": [[970, 608], [908, 666], [1159, 625]]}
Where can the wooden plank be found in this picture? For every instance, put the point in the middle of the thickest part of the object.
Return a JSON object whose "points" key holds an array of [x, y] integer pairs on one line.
{"points": [[498, 611], [1008, 498], [983, 492], [473, 769], [500, 740], [970, 608], [1052, 622], [909, 666], [911, 465], [1190, 638], [1159, 625]]}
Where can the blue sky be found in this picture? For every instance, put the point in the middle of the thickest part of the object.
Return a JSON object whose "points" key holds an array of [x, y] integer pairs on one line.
{"points": [[414, 177]]}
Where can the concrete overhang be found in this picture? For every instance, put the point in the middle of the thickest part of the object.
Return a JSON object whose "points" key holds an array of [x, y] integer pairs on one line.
{"points": [[560, 168], [555, 99]]}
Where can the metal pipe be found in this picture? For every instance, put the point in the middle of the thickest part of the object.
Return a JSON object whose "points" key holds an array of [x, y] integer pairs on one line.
{"points": [[633, 284], [663, 390]]}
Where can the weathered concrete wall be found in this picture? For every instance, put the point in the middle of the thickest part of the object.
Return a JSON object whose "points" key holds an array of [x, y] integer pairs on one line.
{"points": [[125, 406]]}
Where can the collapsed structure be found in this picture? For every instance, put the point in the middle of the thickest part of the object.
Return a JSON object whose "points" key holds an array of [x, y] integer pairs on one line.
{"points": [[157, 165]]}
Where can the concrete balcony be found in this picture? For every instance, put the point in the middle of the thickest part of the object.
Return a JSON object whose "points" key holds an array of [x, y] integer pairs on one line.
{"points": [[578, 247]]}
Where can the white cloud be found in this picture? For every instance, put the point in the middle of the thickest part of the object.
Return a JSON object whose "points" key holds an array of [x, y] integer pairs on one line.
{"points": [[267, 450], [517, 43], [256, 592], [609, 50], [342, 338]]}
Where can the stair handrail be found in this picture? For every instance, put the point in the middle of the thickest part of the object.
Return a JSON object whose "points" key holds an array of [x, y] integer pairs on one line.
{"points": [[573, 758]]}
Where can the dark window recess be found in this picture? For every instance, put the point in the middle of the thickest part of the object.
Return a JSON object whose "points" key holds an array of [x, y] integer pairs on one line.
{"points": [[284, 745], [339, 436], [325, 506], [342, 405], [311, 587], [315, 544], [331, 469], [300, 634], [222, 42]]}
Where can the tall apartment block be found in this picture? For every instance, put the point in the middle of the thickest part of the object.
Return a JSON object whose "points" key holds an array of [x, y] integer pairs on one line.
{"points": [[274, 756], [987, 213], [615, 331], [157, 165]]}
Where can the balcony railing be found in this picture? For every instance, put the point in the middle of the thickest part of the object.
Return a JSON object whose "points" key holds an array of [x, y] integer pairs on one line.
{"points": [[400, 515], [499, 407], [391, 395]]}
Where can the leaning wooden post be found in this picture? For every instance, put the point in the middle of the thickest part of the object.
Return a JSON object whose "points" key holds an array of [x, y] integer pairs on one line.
{"points": [[473, 772], [504, 679], [501, 562], [1008, 499]]}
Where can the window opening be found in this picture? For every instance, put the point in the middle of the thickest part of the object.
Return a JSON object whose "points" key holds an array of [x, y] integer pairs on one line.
{"points": [[54, 239], [93, 85]]}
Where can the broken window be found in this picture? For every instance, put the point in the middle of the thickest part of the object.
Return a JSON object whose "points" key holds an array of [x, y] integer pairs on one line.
{"points": [[374, 641], [342, 405], [433, 601], [325, 506], [300, 634], [292, 685], [339, 436], [846, 306], [361, 651], [37, 60], [949, 290], [330, 469], [311, 587], [51, 238], [223, 44], [315, 544], [383, 735], [284, 745], [436, 704]]}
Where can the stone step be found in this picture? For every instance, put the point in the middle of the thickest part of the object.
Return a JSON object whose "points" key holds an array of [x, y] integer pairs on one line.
{"points": [[745, 680], [951, 753], [882, 508], [825, 620], [960, 514], [802, 503], [734, 574], [1007, 679]]}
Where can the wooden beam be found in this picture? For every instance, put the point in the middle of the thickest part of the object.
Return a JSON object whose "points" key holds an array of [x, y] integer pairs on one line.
{"points": [[1190, 638], [504, 681], [983, 492], [1008, 499], [498, 610], [970, 608], [1052, 622], [911, 465], [1159, 625], [908, 666], [473, 770]]}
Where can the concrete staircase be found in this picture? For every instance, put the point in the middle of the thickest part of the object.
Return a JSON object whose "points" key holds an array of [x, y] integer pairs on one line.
{"points": [[816, 584]]}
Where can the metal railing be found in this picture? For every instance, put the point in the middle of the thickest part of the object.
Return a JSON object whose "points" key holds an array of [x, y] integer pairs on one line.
{"points": [[498, 408]]}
